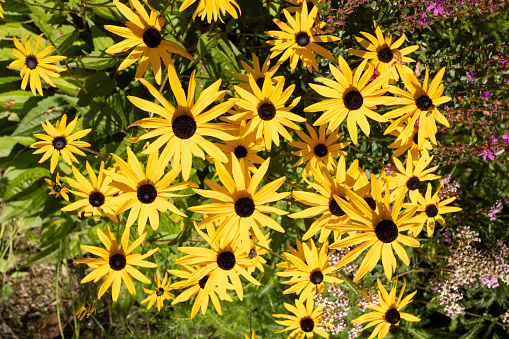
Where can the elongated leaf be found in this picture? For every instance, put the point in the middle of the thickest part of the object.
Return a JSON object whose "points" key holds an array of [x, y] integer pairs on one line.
{"points": [[24, 181]]}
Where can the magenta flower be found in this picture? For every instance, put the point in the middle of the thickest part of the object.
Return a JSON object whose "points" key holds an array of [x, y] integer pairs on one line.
{"points": [[487, 153], [486, 95]]}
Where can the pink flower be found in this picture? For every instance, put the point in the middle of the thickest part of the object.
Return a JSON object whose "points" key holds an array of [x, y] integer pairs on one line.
{"points": [[487, 153]]}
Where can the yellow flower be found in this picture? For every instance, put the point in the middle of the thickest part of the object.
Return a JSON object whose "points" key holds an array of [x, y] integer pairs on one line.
{"points": [[35, 65], [317, 149], [96, 194], [87, 308], [409, 143], [379, 230], [310, 274], [212, 9], [116, 263], [299, 4], [1, 10], [304, 322], [253, 335], [242, 149], [143, 32], [56, 188], [197, 288], [60, 141], [266, 111], [257, 73], [384, 54], [161, 293], [431, 209], [238, 206], [144, 193], [351, 97], [387, 312], [297, 39], [255, 254], [420, 104], [183, 129]]}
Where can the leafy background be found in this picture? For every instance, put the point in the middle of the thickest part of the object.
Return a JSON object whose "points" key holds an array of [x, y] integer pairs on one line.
{"points": [[40, 284]]}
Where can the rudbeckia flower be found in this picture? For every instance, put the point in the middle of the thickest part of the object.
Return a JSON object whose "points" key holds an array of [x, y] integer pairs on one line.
{"points": [[183, 129], [144, 192], [96, 194], [299, 4], [212, 9], [420, 104], [116, 263], [351, 96], [60, 141], [160, 294], [257, 72], [379, 230], [297, 39], [410, 143], [304, 322], [243, 149], [387, 312], [87, 308], [143, 32], [35, 65], [56, 188], [310, 274], [256, 252]]}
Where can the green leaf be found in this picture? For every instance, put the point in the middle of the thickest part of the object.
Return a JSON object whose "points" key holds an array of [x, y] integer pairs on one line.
{"points": [[97, 60], [101, 40], [49, 107], [7, 143], [17, 187]]}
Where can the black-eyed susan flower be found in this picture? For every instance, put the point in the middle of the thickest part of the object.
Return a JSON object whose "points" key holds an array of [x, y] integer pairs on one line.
{"points": [[387, 311], [239, 206], [243, 149], [256, 253], [223, 262], [266, 111], [60, 141], [324, 202], [183, 129], [384, 54], [116, 263], [197, 288], [96, 194], [419, 105], [378, 231], [299, 4], [87, 308], [304, 322], [160, 294], [310, 274], [351, 96], [257, 72], [212, 9], [299, 253], [410, 143], [144, 192], [57, 188], [143, 32], [411, 176], [431, 209], [318, 149], [35, 65], [297, 39]]}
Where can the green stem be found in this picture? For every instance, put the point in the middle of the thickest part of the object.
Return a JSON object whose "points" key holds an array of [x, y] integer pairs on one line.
{"points": [[271, 252], [56, 288], [79, 82], [350, 282]]}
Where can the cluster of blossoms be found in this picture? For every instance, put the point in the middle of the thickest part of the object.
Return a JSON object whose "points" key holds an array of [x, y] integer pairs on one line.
{"points": [[497, 208], [494, 146], [471, 267]]}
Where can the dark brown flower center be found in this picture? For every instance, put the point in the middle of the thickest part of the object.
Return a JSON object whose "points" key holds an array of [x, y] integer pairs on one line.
{"points": [[31, 62], [385, 55], [96, 199], [59, 143], [252, 253], [413, 183], [152, 37], [57, 188], [386, 231], [431, 211], [392, 316], [267, 111], [184, 126], [203, 281], [160, 292], [353, 100], [424, 103], [226, 261], [307, 324], [335, 209], [244, 207], [320, 150], [240, 152], [302, 39], [371, 202], [117, 262], [316, 277], [146, 194]]}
